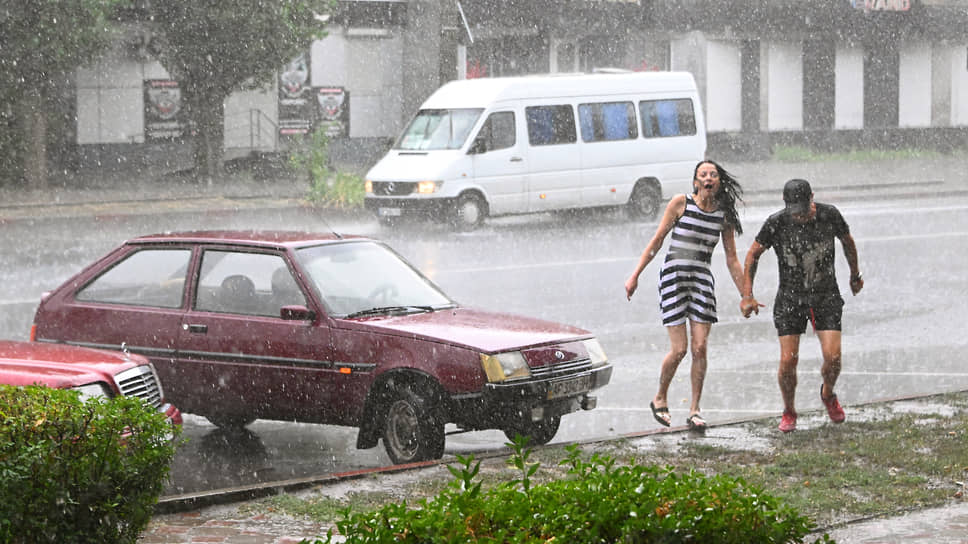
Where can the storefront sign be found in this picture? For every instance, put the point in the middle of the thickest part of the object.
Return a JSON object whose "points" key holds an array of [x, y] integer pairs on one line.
{"points": [[881, 5], [334, 111], [164, 118], [295, 98]]}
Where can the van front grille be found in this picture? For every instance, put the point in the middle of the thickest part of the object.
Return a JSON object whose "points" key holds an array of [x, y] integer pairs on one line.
{"points": [[393, 188], [140, 382]]}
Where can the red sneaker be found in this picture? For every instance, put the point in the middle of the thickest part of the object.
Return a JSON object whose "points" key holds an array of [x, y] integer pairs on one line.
{"points": [[834, 409], [788, 422]]}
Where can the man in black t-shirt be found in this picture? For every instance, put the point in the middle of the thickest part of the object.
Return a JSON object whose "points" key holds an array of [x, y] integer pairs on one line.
{"points": [[802, 235]]}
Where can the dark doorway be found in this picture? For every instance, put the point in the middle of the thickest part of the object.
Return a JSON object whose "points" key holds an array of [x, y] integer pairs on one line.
{"points": [[881, 77], [818, 84]]}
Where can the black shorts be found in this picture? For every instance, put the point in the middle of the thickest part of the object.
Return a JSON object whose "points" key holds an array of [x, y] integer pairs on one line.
{"points": [[791, 313]]}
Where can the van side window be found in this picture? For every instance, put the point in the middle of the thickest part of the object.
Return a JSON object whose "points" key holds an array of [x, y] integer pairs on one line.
{"points": [[550, 125], [607, 121], [663, 118], [496, 133]]}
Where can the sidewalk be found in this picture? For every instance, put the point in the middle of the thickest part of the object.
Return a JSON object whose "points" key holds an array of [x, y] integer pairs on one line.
{"points": [[245, 521], [119, 192]]}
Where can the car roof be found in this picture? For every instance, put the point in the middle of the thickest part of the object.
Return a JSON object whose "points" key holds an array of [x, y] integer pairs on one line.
{"points": [[260, 238]]}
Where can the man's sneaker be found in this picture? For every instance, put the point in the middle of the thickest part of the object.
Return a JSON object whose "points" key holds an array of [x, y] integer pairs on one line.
{"points": [[788, 422], [834, 409]]}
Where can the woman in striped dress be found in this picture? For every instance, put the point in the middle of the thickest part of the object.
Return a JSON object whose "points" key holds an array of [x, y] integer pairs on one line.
{"points": [[686, 283]]}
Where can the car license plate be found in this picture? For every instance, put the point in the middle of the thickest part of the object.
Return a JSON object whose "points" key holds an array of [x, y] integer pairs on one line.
{"points": [[389, 212], [569, 387]]}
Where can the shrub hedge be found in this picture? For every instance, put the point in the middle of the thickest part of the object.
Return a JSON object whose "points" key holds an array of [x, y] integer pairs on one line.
{"points": [[599, 503], [74, 471]]}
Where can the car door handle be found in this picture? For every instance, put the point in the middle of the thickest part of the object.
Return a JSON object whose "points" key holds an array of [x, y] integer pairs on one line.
{"points": [[196, 328], [516, 159]]}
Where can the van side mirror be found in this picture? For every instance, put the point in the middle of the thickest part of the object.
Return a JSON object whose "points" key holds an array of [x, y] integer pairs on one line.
{"points": [[296, 313], [479, 146]]}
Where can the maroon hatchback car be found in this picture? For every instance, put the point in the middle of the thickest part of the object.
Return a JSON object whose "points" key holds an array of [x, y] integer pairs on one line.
{"points": [[324, 328]]}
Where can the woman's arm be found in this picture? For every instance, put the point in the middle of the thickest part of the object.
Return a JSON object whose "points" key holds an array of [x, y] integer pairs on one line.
{"points": [[675, 209], [732, 262]]}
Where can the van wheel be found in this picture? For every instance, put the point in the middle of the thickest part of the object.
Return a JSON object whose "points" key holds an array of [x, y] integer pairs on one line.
{"points": [[412, 430], [644, 202], [539, 433], [469, 212]]}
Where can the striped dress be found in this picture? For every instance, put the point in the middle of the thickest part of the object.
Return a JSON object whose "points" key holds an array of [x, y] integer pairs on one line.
{"points": [[687, 288]]}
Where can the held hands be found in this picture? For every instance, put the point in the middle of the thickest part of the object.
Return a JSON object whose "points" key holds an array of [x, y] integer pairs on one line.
{"points": [[750, 305]]}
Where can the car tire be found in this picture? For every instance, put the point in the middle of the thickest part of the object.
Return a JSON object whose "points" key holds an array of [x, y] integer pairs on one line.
{"points": [[412, 431], [469, 212], [644, 203], [539, 433], [230, 423]]}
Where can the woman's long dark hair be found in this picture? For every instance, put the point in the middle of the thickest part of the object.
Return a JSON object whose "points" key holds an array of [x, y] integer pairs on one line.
{"points": [[729, 193]]}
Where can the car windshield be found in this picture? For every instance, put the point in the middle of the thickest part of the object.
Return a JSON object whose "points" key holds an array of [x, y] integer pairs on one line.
{"points": [[439, 129], [367, 278]]}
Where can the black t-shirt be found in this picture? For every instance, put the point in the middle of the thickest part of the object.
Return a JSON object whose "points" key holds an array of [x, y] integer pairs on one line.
{"points": [[805, 251]]}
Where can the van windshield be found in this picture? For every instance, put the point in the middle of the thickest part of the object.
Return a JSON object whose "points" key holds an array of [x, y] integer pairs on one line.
{"points": [[439, 129]]}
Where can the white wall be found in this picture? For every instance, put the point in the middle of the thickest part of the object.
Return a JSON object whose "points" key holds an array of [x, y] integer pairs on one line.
{"points": [[914, 86], [724, 96], [368, 66], [849, 88], [784, 81], [959, 86], [110, 100]]}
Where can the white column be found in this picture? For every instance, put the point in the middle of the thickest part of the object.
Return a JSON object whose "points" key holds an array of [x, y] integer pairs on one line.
{"points": [[784, 96], [959, 86], [724, 96], [849, 87], [914, 85]]}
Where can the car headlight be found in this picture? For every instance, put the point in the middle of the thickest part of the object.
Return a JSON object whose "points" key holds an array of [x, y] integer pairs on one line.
{"points": [[427, 187], [505, 366], [595, 352], [368, 186], [92, 390]]}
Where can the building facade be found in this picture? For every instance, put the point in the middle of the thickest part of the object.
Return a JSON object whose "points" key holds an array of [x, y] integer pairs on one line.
{"points": [[828, 74]]}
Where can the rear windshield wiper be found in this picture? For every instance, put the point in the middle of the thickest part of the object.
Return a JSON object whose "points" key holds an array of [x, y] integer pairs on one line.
{"points": [[383, 310]]}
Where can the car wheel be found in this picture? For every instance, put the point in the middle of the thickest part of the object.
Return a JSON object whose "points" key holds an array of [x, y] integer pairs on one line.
{"points": [[412, 431], [230, 423], [469, 212], [539, 433], [644, 202]]}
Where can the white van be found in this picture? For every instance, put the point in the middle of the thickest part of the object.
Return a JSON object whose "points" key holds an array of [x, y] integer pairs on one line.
{"points": [[497, 146]]}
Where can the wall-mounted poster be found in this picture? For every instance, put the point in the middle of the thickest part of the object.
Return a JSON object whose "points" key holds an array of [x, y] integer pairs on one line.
{"points": [[295, 98], [334, 111], [164, 115]]}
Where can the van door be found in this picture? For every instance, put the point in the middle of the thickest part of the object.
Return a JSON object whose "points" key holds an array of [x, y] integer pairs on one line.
{"points": [[554, 160], [499, 165], [611, 151]]}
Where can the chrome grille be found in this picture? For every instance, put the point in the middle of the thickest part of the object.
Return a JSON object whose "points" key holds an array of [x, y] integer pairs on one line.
{"points": [[567, 368], [140, 382], [393, 188]]}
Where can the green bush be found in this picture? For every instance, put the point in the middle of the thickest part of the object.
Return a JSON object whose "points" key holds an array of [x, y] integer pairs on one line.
{"points": [[326, 187], [598, 503], [74, 471]]}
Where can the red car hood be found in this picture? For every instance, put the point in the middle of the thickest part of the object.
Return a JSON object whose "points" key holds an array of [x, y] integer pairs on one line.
{"points": [[484, 331], [59, 366]]}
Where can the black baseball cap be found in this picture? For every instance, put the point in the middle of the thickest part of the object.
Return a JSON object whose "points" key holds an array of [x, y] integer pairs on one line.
{"points": [[797, 194]]}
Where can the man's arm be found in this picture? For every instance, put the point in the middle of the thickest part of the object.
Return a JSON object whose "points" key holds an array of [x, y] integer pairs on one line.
{"points": [[749, 304], [850, 251]]}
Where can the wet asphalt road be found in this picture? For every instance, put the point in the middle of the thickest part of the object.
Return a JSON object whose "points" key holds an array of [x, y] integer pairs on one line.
{"points": [[902, 334]]}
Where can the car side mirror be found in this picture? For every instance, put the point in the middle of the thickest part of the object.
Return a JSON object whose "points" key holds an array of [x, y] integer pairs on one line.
{"points": [[297, 313]]}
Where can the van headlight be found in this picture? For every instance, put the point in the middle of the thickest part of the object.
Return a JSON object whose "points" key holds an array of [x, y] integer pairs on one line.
{"points": [[595, 352], [427, 187], [505, 366]]}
